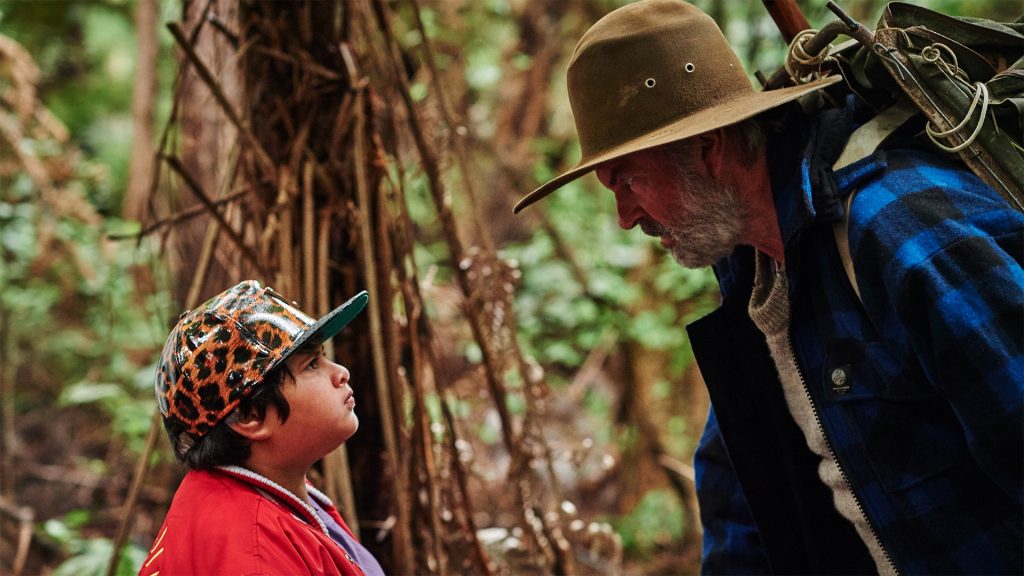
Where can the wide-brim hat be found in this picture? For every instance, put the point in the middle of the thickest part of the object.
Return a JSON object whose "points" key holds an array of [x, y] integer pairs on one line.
{"points": [[651, 73], [221, 352]]}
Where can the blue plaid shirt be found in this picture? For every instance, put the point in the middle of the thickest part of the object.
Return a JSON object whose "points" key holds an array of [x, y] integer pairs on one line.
{"points": [[927, 425]]}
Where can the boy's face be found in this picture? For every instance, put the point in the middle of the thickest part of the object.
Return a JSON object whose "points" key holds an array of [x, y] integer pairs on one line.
{"points": [[322, 408]]}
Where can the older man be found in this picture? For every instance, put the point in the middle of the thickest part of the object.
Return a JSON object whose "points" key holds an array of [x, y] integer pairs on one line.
{"points": [[867, 420]]}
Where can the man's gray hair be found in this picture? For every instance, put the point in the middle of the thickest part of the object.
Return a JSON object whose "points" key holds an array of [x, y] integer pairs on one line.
{"points": [[752, 132]]}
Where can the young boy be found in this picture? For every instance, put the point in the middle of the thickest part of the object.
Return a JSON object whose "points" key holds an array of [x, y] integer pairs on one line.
{"points": [[250, 403]]}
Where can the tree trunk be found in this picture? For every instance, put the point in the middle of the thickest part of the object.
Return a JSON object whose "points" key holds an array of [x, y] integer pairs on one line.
{"points": [[301, 104], [202, 142], [140, 169]]}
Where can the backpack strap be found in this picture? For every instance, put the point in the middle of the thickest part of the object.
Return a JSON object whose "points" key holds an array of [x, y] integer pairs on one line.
{"points": [[862, 143], [869, 136], [841, 232]]}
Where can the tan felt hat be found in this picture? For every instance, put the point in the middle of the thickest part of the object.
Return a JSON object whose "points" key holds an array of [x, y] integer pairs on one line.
{"points": [[654, 72]]}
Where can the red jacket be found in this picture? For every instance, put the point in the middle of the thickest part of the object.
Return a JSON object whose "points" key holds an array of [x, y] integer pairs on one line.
{"points": [[230, 521]]}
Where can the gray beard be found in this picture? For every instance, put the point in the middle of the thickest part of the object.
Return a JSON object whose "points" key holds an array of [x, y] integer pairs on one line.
{"points": [[712, 226], [711, 230]]}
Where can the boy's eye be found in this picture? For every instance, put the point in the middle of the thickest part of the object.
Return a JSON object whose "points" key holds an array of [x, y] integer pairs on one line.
{"points": [[314, 364]]}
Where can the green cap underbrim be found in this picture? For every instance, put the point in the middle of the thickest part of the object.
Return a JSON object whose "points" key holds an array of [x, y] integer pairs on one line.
{"points": [[325, 328]]}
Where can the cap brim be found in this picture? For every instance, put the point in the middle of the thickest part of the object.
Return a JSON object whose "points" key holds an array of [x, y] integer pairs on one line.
{"points": [[332, 323], [715, 117]]}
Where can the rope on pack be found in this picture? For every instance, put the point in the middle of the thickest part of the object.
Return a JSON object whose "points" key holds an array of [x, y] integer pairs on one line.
{"points": [[886, 53], [797, 57], [980, 95], [933, 54]]}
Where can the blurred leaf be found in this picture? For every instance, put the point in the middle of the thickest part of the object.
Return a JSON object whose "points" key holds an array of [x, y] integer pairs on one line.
{"points": [[418, 91], [658, 519], [93, 559], [89, 392], [516, 404], [58, 530]]}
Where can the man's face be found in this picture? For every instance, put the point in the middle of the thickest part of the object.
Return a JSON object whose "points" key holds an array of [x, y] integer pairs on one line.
{"points": [[698, 219]]}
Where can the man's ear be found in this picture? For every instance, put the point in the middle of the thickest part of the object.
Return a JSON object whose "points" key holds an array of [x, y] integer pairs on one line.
{"points": [[251, 426], [712, 151]]}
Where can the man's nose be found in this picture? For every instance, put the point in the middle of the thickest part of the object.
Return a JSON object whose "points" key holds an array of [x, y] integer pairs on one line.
{"points": [[628, 209]]}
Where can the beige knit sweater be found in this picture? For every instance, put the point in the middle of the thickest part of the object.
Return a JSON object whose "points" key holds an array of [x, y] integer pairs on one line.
{"points": [[769, 309]]}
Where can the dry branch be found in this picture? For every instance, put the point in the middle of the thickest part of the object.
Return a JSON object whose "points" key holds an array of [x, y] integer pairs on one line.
{"points": [[133, 493], [489, 316], [442, 203], [247, 250], [426, 356], [457, 132], [25, 517], [263, 159], [144, 91], [387, 408], [162, 147], [180, 217]]}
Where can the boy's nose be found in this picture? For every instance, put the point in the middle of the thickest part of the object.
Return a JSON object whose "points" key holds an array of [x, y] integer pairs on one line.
{"points": [[340, 376]]}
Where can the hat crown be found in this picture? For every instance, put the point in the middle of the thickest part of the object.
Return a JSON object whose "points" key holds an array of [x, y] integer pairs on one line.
{"points": [[645, 66], [655, 72], [220, 351]]}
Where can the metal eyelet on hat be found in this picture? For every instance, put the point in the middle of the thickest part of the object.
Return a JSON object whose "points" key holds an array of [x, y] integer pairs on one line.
{"points": [[650, 82], [689, 67]]}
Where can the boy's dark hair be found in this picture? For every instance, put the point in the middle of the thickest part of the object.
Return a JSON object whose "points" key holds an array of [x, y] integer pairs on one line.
{"points": [[222, 446]]}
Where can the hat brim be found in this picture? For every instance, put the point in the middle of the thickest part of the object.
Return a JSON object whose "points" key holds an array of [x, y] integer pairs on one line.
{"points": [[724, 114], [333, 322]]}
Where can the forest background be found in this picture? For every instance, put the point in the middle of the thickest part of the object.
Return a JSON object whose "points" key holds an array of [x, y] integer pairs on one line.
{"points": [[527, 392]]}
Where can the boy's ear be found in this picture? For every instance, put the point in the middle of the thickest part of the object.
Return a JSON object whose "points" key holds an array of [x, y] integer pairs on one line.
{"points": [[250, 426]]}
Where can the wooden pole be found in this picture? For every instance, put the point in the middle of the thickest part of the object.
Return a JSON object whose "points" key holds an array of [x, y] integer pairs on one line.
{"points": [[788, 17]]}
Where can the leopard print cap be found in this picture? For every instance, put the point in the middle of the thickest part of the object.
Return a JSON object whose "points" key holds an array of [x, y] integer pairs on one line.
{"points": [[219, 353]]}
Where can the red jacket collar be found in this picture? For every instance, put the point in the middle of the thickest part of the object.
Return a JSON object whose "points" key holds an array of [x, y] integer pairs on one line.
{"points": [[280, 494]]}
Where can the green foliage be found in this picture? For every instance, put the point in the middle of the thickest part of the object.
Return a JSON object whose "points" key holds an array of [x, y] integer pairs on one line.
{"points": [[84, 336], [78, 334], [88, 556], [70, 292], [86, 53], [657, 520], [633, 290], [70, 299]]}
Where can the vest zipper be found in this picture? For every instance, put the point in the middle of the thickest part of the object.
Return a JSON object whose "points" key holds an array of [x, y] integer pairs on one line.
{"points": [[832, 453]]}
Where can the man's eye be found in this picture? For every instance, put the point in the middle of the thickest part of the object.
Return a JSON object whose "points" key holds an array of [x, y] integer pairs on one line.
{"points": [[628, 182], [634, 182]]}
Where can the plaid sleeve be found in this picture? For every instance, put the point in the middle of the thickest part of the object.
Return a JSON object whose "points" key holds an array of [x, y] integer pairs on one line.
{"points": [[731, 542], [939, 253]]}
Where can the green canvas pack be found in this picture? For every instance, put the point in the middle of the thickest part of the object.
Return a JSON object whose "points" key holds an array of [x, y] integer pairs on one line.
{"points": [[956, 83], [964, 76]]}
